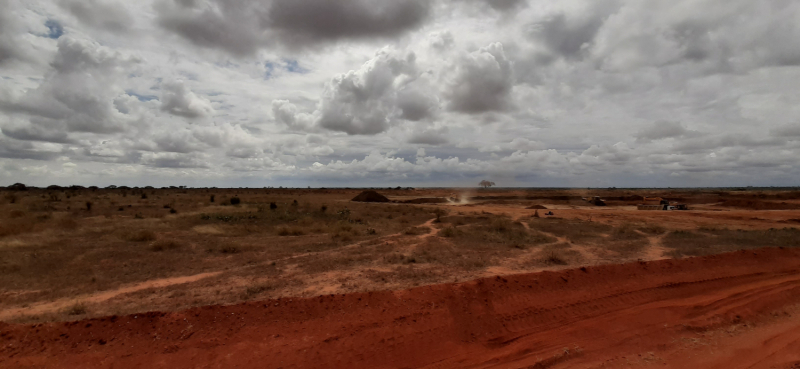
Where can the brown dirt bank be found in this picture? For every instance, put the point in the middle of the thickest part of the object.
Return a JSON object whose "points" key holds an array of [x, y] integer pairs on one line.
{"points": [[701, 312]]}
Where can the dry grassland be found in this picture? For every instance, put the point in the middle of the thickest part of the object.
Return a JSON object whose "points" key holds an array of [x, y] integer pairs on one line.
{"points": [[69, 254]]}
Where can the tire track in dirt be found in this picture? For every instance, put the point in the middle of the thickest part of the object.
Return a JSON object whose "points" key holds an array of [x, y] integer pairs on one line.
{"points": [[99, 297], [572, 318], [587, 255], [655, 249]]}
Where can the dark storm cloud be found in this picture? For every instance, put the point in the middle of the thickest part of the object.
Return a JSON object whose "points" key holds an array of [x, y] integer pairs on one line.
{"points": [[37, 133], [312, 21], [241, 27], [13, 149], [106, 15], [505, 4]]}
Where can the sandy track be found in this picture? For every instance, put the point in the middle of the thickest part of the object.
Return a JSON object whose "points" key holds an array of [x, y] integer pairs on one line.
{"points": [[103, 296], [608, 315]]}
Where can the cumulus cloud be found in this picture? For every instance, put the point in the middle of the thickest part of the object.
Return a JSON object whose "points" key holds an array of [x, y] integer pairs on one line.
{"points": [[177, 99], [556, 96], [76, 96], [441, 40], [364, 101], [483, 81], [242, 27], [287, 113]]}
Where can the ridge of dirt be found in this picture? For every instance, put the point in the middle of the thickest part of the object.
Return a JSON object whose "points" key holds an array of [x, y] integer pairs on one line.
{"points": [[102, 296], [645, 312]]}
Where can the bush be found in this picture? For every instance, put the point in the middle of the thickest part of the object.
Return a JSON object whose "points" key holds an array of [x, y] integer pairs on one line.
{"points": [[143, 235], [272, 206], [173, 211], [501, 225], [144, 195], [448, 232], [554, 259], [165, 245], [235, 201], [77, 309]]}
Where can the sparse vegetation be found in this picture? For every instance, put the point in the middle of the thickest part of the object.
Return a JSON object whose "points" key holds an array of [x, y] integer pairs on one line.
{"points": [[142, 235], [162, 245], [77, 309], [62, 249]]}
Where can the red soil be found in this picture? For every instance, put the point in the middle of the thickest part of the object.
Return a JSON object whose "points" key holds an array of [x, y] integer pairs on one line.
{"points": [[730, 310]]}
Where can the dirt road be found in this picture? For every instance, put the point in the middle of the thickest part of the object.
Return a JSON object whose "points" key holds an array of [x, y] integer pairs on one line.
{"points": [[732, 310]]}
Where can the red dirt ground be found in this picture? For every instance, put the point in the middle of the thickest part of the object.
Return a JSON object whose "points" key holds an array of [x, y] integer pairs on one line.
{"points": [[731, 310]]}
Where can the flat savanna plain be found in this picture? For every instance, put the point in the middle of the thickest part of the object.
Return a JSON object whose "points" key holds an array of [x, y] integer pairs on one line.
{"points": [[68, 255]]}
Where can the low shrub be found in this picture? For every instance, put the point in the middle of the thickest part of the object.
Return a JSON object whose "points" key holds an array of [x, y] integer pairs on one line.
{"points": [[162, 245], [77, 309], [142, 235], [448, 232]]}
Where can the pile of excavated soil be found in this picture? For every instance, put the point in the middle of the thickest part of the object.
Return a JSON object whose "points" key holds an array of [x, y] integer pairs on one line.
{"points": [[370, 196], [537, 207], [729, 310]]}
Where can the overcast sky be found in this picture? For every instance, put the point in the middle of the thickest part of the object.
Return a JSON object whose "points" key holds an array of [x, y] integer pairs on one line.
{"points": [[571, 93]]}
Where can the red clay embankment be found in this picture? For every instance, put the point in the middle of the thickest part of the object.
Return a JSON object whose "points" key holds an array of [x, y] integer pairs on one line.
{"points": [[612, 315]]}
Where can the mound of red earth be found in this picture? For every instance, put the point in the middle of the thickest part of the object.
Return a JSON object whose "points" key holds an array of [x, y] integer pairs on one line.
{"points": [[537, 207], [647, 313], [370, 196]]}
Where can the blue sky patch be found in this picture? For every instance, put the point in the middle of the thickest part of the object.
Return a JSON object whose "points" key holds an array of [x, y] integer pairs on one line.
{"points": [[54, 29], [292, 66], [142, 98]]}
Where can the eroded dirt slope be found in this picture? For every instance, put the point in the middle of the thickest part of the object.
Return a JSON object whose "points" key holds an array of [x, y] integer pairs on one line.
{"points": [[730, 310]]}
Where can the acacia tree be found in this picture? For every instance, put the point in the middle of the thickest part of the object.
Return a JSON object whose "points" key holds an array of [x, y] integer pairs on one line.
{"points": [[486, 184]]}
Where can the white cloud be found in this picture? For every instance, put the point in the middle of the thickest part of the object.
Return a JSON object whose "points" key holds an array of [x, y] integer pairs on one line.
{"points": [[177, 99], [364, 92]]}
